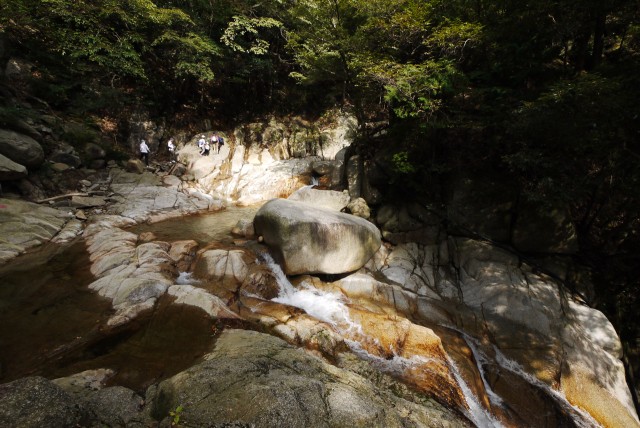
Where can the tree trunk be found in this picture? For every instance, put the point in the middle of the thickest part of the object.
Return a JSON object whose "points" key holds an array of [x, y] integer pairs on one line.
{"points": [[598, 39], [580, 48]]}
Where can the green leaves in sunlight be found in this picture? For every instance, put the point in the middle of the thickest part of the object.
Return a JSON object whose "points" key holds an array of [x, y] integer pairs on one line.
{"points": [[401, 163], [123, 38], [243, 34], [419, 90]]}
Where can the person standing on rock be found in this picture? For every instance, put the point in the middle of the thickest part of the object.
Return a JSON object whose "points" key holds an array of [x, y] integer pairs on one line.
{"points": [[201, 143], [172, 150], [220, 142], [213, 141], [144, 152]]}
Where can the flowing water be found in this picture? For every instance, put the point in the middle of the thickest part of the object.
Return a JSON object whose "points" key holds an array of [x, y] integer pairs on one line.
{"points": [[52, 324], [333, 309]]}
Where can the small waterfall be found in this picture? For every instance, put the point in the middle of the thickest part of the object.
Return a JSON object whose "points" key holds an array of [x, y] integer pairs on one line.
{"points": [[314, 180], [477, 413], [327, 307], [331, 308], [481, 360], [580, 417]]}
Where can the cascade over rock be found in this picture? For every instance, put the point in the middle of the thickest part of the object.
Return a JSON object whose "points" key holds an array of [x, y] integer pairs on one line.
{"points": [[308, 239], [490, 294]]}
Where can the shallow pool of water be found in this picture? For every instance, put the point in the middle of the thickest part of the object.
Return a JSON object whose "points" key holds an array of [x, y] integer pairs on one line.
{"points": [[53, 325], [203, 228]]}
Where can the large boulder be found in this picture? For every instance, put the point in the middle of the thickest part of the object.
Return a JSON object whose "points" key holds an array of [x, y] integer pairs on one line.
{"points": [[308, 239], [21, 149], [37, 402], [253, 379], [9, 170]]}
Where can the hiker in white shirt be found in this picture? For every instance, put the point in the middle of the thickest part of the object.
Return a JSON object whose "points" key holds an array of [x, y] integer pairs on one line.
{"points": [[201, 143], [144, 152], [172, 150]]}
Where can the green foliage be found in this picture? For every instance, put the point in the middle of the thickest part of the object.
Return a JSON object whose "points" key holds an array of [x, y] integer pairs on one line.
{"points": [[402, 164], [191, 54], [243, 34], [568, 139], [176, 415], [114, 40], [418, 90]]}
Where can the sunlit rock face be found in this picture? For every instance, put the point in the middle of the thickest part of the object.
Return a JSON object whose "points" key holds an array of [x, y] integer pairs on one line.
{"points": [[133, 277], [24, 225], [329, 199], [308, 239], [492, 296], [223, 267], [268, 159]]}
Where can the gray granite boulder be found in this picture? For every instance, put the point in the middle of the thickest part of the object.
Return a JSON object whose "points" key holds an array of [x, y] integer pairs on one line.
{"points": [[37, 402], [253, 379], [21, 149], [9, 170], [330, 199], [307, 239]]}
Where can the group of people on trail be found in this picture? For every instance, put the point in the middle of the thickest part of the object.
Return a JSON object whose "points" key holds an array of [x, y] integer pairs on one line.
{"points": [[216, 141], [205, 145]]}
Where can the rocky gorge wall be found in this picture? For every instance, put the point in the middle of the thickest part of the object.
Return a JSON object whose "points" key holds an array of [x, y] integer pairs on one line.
{"points": [[422, 280]]}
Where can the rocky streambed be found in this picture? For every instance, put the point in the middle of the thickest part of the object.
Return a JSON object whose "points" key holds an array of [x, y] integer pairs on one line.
{"points": [[177, 310]]}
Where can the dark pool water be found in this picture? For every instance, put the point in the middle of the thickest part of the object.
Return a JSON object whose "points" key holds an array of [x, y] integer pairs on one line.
{"points": [[53, 325]]}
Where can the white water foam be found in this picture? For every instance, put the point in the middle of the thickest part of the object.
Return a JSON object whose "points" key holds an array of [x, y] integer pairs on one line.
{"points": [[331, 308], [324, 306], [394, 366], [399, 365], [581, 418], [186, 278]]}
